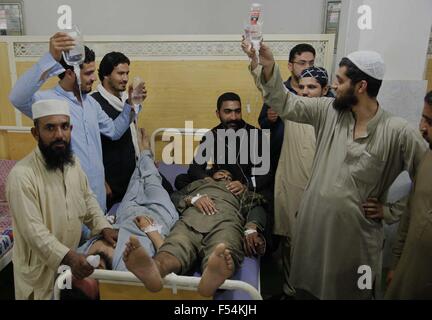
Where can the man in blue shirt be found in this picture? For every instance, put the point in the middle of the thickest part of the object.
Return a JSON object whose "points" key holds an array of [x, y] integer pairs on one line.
{"points": [[87, 116]]}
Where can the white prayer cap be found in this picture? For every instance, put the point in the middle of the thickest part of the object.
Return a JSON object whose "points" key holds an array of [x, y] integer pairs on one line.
{"points": [[370, 62], [43, 108]]}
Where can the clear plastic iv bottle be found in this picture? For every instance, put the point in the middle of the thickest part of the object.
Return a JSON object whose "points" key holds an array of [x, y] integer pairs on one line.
{"points": [[255, 26], [137, 95], [76, 55]]}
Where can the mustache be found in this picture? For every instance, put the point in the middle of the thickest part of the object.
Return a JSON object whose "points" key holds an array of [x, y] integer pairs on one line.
{"points": [[57, 143], [235, 122]]}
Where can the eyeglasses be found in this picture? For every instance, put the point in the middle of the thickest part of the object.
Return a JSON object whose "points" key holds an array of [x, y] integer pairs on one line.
{"points": [[303, 63]]}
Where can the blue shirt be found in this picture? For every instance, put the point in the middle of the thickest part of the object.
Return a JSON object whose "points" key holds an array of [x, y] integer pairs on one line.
{"points": [[89, 121]]}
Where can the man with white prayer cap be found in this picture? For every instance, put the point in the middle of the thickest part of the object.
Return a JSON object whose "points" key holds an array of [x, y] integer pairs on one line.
{"points": [[50, 198], [360, 150]]}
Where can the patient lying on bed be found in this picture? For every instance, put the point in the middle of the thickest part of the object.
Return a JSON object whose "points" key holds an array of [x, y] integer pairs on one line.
{"points": [[145, 196], [211, 229]]}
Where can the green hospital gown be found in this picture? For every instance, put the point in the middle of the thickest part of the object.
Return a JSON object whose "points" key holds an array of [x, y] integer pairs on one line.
{"points": [[332, 237]]}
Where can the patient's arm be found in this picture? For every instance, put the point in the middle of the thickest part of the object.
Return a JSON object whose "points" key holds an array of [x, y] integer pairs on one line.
{"points": [[146, 224], [253, 241], [178, 197]]}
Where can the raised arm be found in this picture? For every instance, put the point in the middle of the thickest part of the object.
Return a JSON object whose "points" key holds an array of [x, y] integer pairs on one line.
{"points": [[114, 129], [288, 106], [23, 93]]}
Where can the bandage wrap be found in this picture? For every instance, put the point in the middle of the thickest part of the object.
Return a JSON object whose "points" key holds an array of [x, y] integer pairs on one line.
{"points": [[249, 231], [153, 227]]}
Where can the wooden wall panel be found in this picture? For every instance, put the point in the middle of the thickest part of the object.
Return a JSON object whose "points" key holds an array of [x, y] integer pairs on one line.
{"points": [[20, 144], [178, 91]]}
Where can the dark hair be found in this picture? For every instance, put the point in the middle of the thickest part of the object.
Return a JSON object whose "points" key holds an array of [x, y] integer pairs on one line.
{"points": [[318, 73], [299, 49], [356, 75], [227, 96], [109, 62], [89, 57], [428, 98]]}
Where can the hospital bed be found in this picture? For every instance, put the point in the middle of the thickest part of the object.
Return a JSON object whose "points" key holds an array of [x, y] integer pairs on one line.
{"points": [[243, 285], [6, 235]]}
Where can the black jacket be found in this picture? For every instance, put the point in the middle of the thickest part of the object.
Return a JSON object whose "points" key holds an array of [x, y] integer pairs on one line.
{"points": [[240, 171]]}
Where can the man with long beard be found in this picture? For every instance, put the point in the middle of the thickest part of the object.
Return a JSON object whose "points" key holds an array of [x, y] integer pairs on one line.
{"points": [[50, 198], [360, 150]]}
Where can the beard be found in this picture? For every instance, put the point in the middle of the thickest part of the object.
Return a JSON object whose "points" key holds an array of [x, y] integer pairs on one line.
{"points": [[56, 158], [346, 101]]}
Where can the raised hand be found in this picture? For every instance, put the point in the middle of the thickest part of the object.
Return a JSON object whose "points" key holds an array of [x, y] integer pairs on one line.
{"points": [[59, 42]]}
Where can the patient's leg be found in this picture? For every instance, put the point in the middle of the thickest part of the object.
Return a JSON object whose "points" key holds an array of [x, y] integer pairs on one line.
{"points": [[149, 271], [145, 192], [220, 267]]}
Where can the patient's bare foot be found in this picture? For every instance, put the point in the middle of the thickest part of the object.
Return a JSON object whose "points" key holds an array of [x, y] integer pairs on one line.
{"points": [[142, 265], [220, 267], [143, 140]]}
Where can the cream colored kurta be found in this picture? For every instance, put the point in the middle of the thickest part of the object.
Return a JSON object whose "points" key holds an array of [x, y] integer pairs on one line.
{"points": [[293, 172], [48, 209], [332, 236], [413, 248]]}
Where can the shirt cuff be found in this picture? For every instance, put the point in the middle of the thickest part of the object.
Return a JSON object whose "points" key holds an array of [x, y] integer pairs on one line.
{"points": [[48, 64], [57, 255]]}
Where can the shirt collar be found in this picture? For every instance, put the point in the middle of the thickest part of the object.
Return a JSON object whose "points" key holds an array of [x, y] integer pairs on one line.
{"points": [[373, 123], [288, 86], [69, 94]]}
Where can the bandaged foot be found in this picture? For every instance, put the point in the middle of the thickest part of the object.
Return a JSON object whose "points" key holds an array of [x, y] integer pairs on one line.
{"points": [[143, 140], [220, 267], [142, 265]]}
